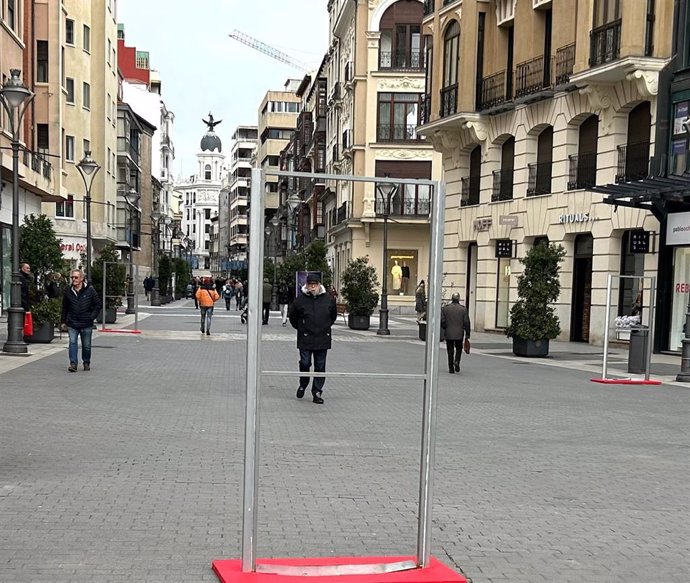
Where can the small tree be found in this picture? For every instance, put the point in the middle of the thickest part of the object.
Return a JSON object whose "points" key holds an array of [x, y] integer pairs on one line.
{"points": [[40, 247], [358, 287], [165, 269], [290, 265], [182, 275], [115, 276], [315, 259], [533, 317]]}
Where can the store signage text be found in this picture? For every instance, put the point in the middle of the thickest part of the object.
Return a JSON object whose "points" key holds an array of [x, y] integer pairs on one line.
{"points": [[508, 220], [682, 288], [678, 229], [482, 224], [574, 218], [78, 247]]}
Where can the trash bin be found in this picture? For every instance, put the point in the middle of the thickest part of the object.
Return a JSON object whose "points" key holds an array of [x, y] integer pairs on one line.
{"points": [[637, 354]]}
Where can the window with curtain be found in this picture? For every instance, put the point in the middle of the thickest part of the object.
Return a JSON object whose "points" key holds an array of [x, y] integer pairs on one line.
{"points": [[451, 48], [398, 116]]}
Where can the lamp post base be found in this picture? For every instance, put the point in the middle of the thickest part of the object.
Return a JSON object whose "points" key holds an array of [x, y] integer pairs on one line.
{"points": [[684, 375], [383, 323], [155, 297], [15, 345], [130, 304]]}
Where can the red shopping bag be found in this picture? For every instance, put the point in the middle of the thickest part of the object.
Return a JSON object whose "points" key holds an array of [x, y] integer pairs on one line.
{"points": [[28, 324]]}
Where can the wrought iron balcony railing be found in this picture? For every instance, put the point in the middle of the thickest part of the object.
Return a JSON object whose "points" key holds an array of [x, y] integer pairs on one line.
{"points": [[449, 100], [533, 76], [469, 191], [503, 185], [341, 214], [38, 164], [605, 43], [396, 133], [429, 7], [494, 90], [425, 109], [401, 60], [539, 181], [583, 171], [633, 162], [565, 61]]}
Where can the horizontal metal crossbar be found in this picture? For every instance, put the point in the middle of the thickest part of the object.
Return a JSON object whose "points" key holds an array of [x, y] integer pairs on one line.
{"points": [[368, 375], [349, 178], [333, 570]]}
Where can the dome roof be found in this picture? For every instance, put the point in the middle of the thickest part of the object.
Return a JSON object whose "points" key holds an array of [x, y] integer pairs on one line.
{"points": [[211, 142]]}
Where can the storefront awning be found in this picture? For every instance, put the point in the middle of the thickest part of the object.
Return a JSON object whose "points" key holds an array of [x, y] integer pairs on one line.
{"points": [[653, 193]]}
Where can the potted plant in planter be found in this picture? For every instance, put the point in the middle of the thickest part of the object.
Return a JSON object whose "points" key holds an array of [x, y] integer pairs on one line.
{"points": [[115, 282], [46, 316], [533, 321], [357, 286]]}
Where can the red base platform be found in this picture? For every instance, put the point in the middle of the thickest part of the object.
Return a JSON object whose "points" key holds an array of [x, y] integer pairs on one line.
{"points": [[322, 570], [626, 381]]}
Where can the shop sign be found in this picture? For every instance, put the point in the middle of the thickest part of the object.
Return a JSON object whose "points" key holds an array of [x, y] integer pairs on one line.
{"points": [[639, 241], [574, 218], [504, 248], [678, 229], [482, 224], [67, 247], [508, 220]]}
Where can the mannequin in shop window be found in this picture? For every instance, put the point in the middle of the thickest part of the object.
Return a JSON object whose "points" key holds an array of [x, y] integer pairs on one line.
{"points": [[405, 278], [396, 272]]}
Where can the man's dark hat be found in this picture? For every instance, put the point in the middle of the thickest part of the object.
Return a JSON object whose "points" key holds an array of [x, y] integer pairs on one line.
{"points": [[313, 276]]}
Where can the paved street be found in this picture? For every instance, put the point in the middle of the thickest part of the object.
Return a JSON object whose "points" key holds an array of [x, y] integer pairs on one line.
{"points": [[132, 472]]}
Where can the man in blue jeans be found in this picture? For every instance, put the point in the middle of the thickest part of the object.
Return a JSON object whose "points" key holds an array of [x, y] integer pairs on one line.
{"points": [[80, 307], [312, 314]]}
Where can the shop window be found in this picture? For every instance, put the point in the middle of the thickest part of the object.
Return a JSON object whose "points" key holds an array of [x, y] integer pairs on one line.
{"points": [[631, 264], [503, 292]]}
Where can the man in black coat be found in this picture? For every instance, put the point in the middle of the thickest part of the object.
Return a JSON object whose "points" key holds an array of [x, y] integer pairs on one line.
{"points": [[456, 322], [80, 307], [312, 314]]}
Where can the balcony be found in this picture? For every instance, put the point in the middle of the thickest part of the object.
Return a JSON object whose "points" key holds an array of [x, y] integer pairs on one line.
{"points": [[633, 162], [494, 91], [408, 202], [429, 7], [533, 76], [469, 191], [583, 171], [341, 214], [335, 154], [349, 72], [347, 140], [503, 185], [605, 43], [396, 133], [449, 100], [38, 164], [565, 61], [336, 94], [539, 181], [425, 109], [401, 61]]}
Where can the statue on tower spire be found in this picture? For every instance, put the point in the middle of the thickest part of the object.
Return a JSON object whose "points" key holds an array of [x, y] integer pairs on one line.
{"points": [[210, 123]]}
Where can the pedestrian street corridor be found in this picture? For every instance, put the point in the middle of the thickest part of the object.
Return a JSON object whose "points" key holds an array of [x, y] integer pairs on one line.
{"points": [[133, 471]]}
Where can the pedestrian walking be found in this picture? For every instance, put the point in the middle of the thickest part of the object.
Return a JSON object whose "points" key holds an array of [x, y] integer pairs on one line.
{"points": [[228, 293], [206, 295], [27, 279], [456, 322], [266, 294], [284, 298], [80, 307], [420, 301], [195, 288], [312, 314], [239, 295], [148, 286]]}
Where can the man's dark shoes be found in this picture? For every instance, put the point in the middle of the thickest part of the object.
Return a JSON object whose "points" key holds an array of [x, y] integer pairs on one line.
{"points": [[72, 367], [451, 370], [317, 398], [457, 367], [300, 392], [87, 366]]}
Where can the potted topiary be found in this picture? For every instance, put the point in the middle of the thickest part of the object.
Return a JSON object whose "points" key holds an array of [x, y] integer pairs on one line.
{"points": [[533, 321], [115, 281], [357, 285], [46, 316]]}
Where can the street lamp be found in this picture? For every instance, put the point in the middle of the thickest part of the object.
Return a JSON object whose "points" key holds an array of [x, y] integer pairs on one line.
{"points": [[275, 224], [132, 199], [15, 98], [293, 203], [88, 168], [387, 191], [155, 291]]}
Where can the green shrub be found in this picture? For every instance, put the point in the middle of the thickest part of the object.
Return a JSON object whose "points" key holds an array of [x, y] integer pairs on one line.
{"points": [[357, 286]]}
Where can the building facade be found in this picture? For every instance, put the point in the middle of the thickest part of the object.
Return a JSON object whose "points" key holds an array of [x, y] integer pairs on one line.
{"points": [[375, 88], [527, 130]]}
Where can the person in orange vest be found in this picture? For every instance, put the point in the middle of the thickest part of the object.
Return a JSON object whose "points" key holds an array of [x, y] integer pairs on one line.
{"points": [[206, 295]]}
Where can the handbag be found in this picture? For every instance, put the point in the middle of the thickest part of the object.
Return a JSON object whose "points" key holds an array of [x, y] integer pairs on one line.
{"points": [[28, 324], [466, 347]]}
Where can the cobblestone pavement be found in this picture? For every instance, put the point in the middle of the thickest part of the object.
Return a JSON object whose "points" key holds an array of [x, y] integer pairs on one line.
{"points": [[133, 471]]}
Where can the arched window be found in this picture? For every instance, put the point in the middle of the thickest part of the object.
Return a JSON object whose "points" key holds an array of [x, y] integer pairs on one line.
{"points": [[451, 50], [207, 172]]}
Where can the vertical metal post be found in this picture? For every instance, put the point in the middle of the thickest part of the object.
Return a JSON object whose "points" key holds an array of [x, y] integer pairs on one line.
{"points": [[88, 232], [105, 269], [136, 301], [426, 468], [251, 418], [607, 323], [650, 334]]}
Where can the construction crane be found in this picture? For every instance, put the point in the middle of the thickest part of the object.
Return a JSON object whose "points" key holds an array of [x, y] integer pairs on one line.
{"points": [[268, 50]]}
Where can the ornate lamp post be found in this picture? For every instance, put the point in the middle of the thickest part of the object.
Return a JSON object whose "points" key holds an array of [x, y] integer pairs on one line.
{"points": [[88, 168], [15, 98], [275, 226], [155, 291], [293, 203], [132, 199], [386, 191]]}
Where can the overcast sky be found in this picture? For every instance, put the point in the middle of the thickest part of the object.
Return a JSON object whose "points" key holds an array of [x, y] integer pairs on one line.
{"points": [[202, 69]]}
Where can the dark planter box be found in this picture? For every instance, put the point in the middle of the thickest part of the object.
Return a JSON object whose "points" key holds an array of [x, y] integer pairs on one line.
{"points": [[43, 334], [110, 316], [530, 348], [358, 322]]}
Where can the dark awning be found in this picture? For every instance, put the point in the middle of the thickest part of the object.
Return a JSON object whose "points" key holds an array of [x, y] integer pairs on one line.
{"points": [[652, 193]]}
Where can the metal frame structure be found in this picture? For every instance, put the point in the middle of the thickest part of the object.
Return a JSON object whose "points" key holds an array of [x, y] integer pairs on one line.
{"points": [[652, 304], [429, 378]]}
